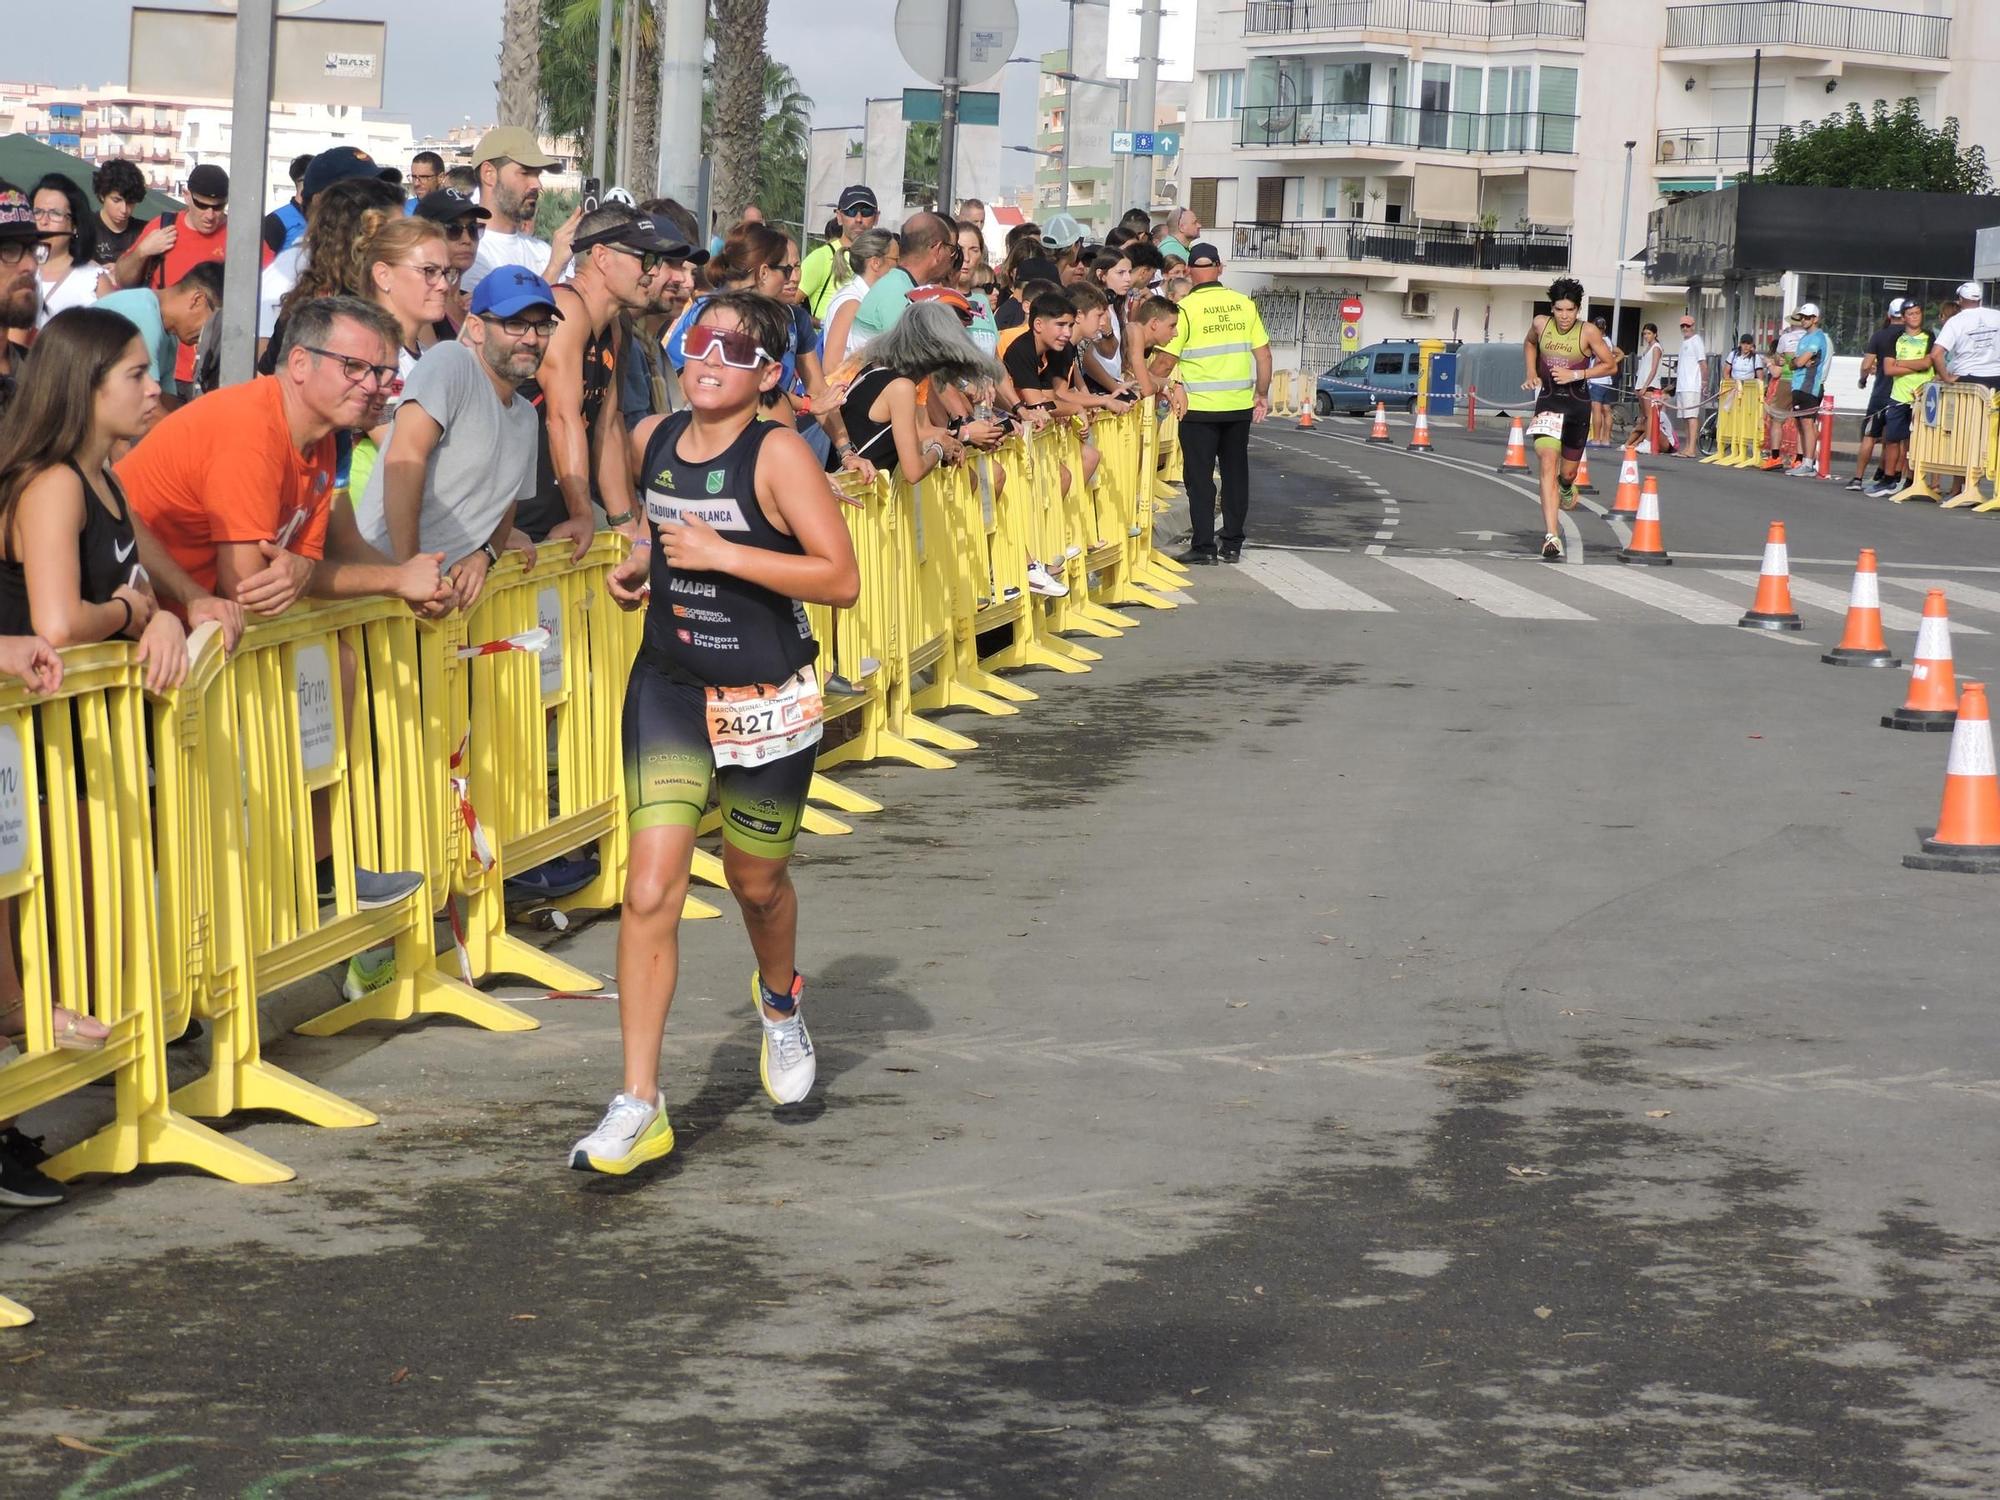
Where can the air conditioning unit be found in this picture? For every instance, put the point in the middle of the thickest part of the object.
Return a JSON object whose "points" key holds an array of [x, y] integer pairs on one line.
{"points": [[1420, 304], [1166, 190]]}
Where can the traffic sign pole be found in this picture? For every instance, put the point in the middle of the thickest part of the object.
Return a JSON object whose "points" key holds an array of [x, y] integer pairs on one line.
{"points": [[954, 16]]}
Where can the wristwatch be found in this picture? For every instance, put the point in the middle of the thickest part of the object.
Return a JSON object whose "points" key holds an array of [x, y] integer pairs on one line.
{"points": [[491, 555], [617, 520]]}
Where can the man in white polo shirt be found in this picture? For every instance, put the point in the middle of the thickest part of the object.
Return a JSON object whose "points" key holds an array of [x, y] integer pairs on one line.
{"points": [[1968, 346]]}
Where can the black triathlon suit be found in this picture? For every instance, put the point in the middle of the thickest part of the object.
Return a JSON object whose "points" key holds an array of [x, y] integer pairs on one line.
{"points": [[708, 630], [546, 509], [1568, 403]]}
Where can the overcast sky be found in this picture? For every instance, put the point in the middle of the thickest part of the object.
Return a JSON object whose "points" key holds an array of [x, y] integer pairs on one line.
{"points": [[442, 54]]}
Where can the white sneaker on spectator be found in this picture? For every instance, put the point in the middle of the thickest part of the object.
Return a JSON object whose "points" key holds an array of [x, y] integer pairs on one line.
{"points": [[1042, 581]]}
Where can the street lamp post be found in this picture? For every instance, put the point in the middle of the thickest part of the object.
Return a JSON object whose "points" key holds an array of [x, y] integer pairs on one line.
{"points": [[1624, 217]]}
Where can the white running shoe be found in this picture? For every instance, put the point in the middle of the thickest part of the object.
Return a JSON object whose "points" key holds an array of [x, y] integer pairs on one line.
{"points": [[785, 1062], [1071, 552], [631, 1132], [1042, 581]]}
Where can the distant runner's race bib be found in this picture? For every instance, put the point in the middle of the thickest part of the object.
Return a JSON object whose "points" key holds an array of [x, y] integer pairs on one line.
{"points": [[753, 726]]}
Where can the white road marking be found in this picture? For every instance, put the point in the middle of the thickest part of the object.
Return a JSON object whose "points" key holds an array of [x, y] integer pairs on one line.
{"points": [[1649, 588], [1496, 596], [1894, 616], [1304, 586], [1955, 593]]}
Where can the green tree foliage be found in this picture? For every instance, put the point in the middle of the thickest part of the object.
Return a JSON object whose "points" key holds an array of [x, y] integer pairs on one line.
{"points": [[781, 153], [920, 165], [1882, 149]]}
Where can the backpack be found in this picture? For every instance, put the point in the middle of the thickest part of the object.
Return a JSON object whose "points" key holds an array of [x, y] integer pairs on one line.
{"points": [[156, 265]]}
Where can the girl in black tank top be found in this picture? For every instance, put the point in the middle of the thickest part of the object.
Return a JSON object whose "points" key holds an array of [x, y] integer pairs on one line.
{"points": [[69, 542], [741, 530]]}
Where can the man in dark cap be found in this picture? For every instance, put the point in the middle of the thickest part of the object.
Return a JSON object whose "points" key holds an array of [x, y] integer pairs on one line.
{"points": [[819, 276], [175, 243], [20, 298]]}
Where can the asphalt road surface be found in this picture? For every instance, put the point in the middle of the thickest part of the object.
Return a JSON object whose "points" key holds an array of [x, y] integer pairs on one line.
{"points": [[1419, 1021]]}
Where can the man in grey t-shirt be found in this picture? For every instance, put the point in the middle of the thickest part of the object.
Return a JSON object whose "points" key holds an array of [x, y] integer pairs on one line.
{"points": [[461, 448]]}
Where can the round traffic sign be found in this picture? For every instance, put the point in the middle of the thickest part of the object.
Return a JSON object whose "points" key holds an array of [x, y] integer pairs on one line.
{"points": [[987, 30]]}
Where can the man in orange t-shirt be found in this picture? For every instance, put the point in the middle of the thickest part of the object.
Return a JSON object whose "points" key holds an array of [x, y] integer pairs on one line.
{"points": [[238, 486]]}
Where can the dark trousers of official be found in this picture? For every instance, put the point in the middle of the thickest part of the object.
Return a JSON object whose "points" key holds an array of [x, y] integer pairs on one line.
{"points": [[1202, 443]]}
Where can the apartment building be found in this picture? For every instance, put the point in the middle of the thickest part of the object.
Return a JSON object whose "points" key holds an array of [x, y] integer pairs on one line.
{"points": [[1442, 160], [1085, 114], [168, 137]]}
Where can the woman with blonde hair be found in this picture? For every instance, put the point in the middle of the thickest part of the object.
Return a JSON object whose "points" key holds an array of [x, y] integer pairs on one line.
{"points": [[859, 266]]}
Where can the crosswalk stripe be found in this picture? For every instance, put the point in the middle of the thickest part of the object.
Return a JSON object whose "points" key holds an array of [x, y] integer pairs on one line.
{"points": [[1304, 586], [1497, 596], [1894, 616], [1954, 593], [1646, 588]]}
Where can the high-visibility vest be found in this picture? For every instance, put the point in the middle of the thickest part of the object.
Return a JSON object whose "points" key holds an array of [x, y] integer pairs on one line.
{"points": [[1219, 330]]}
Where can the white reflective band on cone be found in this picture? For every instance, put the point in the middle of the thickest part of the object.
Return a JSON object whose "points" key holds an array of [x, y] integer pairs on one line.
{"points": [[1971, 748], [1777, 563], [1934, 639], [1864, 594], [1649, 506]]}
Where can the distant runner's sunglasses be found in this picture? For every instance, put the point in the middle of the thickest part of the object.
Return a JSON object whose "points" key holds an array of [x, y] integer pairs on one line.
{"points": [[739, 350]]}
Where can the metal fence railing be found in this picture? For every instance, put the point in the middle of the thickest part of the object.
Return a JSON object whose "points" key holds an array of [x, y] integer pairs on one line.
{"points": [[1403, 244], [1405, 126], [1472, 19], [1808, 23], [1721, 143]]}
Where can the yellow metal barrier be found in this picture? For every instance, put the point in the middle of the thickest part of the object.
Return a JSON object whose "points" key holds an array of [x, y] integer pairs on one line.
{"points": [[1739, 426], [1951, 434]]}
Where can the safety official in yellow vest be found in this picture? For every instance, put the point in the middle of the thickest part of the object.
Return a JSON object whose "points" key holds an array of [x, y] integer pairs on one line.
{"points": [[1223, 361]]}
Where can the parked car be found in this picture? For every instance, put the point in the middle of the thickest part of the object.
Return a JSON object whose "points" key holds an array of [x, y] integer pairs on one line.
{"points": [[1381, 372]]}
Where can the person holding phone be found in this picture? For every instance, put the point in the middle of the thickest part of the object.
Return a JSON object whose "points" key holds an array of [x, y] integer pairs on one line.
{"points": [[740, 532]]}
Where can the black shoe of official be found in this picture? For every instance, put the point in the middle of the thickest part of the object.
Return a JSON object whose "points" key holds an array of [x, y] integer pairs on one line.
{"points": [[1229, 554], [1196, 557]]}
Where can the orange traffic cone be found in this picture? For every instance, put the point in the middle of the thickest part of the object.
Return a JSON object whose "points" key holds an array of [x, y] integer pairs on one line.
{"points": [[1967, 838], [1861, 644], [1647, 545], [1772, 608], [1517, 449], [1583, 485], [1627, 501], [1933, 702], [1420, 440], [1379, 433], [1306, 417]]}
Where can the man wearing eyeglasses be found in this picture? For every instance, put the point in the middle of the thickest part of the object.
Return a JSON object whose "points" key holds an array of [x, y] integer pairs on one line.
{"points": [[856, 211], [619, 252], [461, 449], [20, 297], [175, 243]]}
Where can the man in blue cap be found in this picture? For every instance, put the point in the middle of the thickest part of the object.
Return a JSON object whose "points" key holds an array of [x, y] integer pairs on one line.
{"points": [[461, 449]]}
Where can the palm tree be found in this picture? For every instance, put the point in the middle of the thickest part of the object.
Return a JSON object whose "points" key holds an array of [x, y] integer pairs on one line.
{"points": [[520, 62], [568, 85], [737, 85], [786, 139]]}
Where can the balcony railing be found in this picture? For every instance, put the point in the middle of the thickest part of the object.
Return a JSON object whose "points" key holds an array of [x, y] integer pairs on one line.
{"points": [[1405, 127], [1806, 23], [1474, 19], [1723, 143], [1411, 245]]}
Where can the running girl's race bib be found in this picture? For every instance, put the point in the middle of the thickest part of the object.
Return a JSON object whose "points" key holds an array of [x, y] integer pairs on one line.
{"points": [[753, 726], [1546, 424]]}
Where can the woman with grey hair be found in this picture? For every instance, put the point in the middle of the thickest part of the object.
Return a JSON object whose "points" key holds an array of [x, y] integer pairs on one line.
{"points": [[929, 342], [858, 267]]}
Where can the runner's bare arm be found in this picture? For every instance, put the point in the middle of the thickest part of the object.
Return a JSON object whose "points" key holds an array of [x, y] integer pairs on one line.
{"points": [[1531, 348]]}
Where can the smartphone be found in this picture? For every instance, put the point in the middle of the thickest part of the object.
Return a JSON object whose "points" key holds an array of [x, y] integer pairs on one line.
{"points": [[593, 189]]}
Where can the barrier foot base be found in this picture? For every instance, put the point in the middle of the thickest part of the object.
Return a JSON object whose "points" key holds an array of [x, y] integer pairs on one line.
{"points": [[1968, 496], [707, 868], [955, 694], [846, 799], [1071, 649], [694, 909], [922, 729], [1132, 594], [430, 993], [1917, 491], [1032, 653], [883, 744], [1088, 620], [1161, 563], [258, 1085], [13, 1315], [160, 1138], [825, 824]]}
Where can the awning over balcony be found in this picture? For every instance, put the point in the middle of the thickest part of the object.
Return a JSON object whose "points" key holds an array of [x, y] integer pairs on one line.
{"points": [[1449, 193], [1551, 197]]}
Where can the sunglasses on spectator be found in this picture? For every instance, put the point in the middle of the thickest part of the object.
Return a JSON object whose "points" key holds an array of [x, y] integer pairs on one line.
{"points": [[207, 207], [739, 350], [355, 370], [649, 260], [466, 231]]}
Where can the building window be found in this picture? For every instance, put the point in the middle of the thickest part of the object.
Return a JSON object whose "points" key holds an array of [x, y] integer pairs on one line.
{"points": [[1201, 197], [1225, 95], [1558, 109]]}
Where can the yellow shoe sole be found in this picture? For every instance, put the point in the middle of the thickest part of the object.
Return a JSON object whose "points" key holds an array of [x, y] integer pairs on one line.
{"points": [[650, 1147]]}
